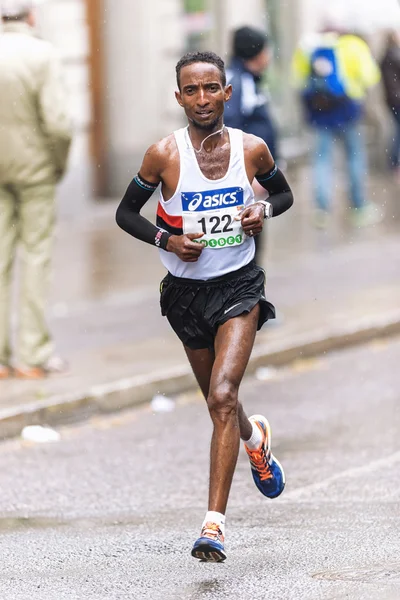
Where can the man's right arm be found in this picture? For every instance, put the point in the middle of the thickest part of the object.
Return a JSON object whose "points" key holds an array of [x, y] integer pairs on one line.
{"points": [[139, 191]]}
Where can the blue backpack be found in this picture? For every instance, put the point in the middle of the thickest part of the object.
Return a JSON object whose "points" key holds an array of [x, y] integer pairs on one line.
{"points": [[326, 101], [325, 91]]}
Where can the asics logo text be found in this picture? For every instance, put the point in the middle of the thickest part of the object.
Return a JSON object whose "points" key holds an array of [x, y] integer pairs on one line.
{"points": [[200, 201]]}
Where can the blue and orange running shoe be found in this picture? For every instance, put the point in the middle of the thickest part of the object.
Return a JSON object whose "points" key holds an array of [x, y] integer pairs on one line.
{"points": [[268, 474], [210, 545]]}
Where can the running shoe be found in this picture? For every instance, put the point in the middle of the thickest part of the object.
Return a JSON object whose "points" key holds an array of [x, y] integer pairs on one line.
{"points": [[321, 218], [370, 214], [210, 545], [268, 474]]}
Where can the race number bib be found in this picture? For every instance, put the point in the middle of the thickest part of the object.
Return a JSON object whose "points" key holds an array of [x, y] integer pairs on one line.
{"points": [[215, 215]]}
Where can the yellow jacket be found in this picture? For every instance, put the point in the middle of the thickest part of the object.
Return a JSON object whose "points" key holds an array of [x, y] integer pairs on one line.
{"points": [[358, 68], [35, 128]]}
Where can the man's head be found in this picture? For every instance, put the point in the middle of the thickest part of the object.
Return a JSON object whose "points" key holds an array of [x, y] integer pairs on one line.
{"points": [[17, 10], [202, 87], [251, 46], [200, 57]]}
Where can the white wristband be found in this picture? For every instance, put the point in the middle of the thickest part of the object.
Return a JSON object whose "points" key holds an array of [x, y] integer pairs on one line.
{"points": [[268, 208]]}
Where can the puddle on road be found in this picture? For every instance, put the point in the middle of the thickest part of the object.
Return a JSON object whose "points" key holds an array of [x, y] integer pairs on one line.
{"points": [[389, 572], [14, 524], [10, 524]]}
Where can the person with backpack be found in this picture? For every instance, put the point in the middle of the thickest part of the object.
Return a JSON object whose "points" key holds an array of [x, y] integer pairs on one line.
{"points": [[333, 71], [248, 108], [390, 67]]}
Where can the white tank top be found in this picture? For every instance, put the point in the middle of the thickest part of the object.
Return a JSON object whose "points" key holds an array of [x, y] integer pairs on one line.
{"points": [[201, 205]]}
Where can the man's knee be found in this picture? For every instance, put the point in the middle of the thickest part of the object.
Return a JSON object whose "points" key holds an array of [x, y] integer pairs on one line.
{"points": [[222, 401]]}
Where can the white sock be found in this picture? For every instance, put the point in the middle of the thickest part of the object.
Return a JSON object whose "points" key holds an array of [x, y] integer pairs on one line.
{"points": [[256, 438], [215, 517]]}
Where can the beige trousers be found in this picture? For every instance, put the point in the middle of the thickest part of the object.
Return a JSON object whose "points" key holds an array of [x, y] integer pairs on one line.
{"points": [[26, 220]]}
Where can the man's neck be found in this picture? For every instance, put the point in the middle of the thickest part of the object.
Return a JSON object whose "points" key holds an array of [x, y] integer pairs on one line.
{"points": [[198, 135]]}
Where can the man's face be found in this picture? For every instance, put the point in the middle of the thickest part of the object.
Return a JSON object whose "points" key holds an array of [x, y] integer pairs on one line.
{"points": [[202, 94]]}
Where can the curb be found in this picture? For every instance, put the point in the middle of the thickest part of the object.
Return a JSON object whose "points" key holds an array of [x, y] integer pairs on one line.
{"points": [[130, 392]]}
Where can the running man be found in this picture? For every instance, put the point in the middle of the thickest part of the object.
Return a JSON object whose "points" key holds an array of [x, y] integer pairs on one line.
{"points": [[213, 294]]}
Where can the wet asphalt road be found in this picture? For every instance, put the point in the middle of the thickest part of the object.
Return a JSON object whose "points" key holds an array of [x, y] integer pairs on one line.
{"points": [[111, 511]]}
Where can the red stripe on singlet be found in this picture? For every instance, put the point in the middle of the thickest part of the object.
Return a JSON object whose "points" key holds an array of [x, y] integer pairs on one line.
{"points": [[169, 219]]}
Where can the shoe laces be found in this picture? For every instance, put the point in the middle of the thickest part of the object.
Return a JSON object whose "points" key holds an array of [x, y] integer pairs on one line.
{"points": [[212, 531], [258, 459]]}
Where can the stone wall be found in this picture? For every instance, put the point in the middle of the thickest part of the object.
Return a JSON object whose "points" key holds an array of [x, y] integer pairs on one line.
{"points": [[143, 41]]}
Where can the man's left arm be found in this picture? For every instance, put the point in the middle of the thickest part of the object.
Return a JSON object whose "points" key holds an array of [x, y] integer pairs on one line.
{"points": [[280, 195], [271, 178]]}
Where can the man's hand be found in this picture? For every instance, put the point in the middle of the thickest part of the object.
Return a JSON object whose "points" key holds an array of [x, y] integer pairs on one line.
{"points": [[253, 219], [184, 247]]}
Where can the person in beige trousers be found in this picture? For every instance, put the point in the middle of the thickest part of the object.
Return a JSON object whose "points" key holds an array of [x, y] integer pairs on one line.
{"points": [[35, 137]]}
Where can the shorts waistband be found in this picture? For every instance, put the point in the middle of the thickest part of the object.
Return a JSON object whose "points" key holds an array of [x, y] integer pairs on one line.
{"points": [[215, 280]]}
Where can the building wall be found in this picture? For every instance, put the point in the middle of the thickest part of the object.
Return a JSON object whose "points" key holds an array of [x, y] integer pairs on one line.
{"points": [[285, 27], [142, 40], [366, 17], [230, 14], [141, 48]]}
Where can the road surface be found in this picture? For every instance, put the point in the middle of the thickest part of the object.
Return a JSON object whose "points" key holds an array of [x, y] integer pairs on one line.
{"points": [[111, 511]]}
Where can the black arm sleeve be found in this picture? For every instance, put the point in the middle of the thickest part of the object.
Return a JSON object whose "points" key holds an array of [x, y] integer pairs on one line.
{"points": [[128, 215], [280, 194]]}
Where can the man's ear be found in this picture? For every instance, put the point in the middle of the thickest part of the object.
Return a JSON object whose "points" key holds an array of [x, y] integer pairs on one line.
{"points": [[179, 98], [228, 93]]}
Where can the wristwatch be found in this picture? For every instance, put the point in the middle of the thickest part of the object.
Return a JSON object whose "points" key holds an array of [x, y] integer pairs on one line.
{"points": [[267, 208]]}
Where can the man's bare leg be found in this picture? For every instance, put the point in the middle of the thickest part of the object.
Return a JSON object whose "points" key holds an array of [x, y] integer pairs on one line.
{"points": [[202, 362], [233, 345], [219, 375]]}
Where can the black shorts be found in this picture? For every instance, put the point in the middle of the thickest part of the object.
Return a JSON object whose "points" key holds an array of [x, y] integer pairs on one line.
{"points": [[195, 309]]}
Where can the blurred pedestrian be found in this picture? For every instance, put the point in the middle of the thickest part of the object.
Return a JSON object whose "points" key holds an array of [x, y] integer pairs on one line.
{"points": [[213, 294], [334, 70], [390, 67], [35, 136], [249, 107]]}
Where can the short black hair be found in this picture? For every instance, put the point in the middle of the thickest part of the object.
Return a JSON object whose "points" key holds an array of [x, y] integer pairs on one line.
{"points": [[206, 57], [248, 42]]}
